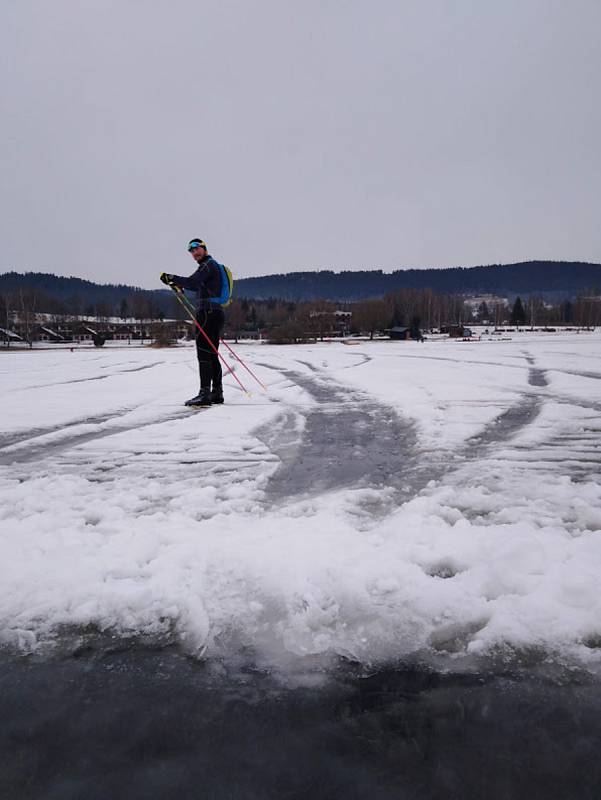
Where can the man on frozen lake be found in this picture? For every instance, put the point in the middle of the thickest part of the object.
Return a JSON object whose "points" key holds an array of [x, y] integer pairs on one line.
{"points": [[207, 281]]}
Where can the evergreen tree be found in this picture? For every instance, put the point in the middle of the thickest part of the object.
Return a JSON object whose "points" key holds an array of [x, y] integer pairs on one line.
{"points": [[415, 331], [397, 320], [483, 312], [567, 312], [518, 315]]}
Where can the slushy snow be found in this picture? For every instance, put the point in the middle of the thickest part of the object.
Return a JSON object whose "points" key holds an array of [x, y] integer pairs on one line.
{"points": [[125, 513]]}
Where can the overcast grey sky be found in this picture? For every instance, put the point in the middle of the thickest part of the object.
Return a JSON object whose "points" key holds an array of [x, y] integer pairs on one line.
{"points": [[297, 134]]}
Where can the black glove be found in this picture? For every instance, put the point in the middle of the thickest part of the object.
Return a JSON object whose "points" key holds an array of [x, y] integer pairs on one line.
{"points": [[167, 278]]}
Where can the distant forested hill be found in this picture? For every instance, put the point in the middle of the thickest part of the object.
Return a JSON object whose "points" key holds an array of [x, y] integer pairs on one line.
{"points": [[61, 288], [56, 294], [552, 278]]}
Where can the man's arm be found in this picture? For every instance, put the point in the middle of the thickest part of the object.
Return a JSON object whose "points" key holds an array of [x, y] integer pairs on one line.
{"points": [[193, 283]]}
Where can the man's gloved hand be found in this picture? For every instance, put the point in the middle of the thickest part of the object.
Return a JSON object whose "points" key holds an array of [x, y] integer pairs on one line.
{"points": [[167, 278]]}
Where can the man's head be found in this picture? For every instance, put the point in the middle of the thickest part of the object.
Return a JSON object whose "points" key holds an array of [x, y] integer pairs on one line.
{"points": [[197, 248]]}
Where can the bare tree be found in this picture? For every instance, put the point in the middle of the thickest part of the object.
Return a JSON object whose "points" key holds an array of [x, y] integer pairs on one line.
{"points": [[235, 319], [321, 316], [534, 308], [27, 306], [6, 309], [371, 316]]}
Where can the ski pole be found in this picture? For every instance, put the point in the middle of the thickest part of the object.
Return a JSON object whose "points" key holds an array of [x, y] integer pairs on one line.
{"points": [[178, 293], [232, 351], [247, 368]]}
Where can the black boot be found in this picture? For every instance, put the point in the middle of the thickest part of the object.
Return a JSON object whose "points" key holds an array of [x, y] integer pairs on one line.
{"points": [[217, 394], [202, 399]]}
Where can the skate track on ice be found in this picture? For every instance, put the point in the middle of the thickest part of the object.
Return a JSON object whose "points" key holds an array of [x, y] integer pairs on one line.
{"points": [[347, 438]]}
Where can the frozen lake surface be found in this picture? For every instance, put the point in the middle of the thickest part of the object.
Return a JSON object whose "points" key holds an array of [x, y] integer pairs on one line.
{"points": [[152, 724], [393, 545]]}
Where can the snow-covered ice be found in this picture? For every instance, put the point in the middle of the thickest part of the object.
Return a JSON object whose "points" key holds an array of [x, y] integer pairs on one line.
{"points": [[382, 500]]}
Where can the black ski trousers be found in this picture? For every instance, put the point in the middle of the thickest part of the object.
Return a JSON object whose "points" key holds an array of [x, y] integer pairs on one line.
{"points": [[208, 361]]}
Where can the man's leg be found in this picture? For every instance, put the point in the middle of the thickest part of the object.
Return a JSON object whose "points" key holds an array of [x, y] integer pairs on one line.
{"points": [[214, 329], [204, 353]]}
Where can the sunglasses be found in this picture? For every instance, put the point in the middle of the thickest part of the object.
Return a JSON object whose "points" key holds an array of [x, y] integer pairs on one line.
{"points": [[194, 245]]}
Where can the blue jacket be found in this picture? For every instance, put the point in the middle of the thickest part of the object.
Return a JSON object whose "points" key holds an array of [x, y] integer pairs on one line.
{"points": [[206, 282]]}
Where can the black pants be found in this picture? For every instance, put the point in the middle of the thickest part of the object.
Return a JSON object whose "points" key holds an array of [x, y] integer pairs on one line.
{"points": [[208, 361]]}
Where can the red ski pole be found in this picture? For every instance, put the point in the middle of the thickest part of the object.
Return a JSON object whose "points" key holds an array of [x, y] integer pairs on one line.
{"points": [[247, 368], [178, 293]]}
